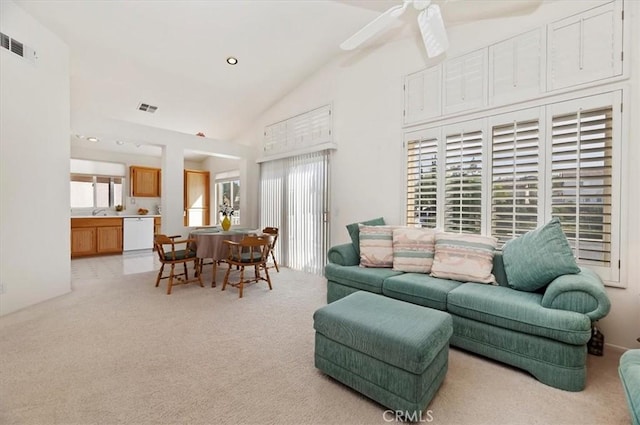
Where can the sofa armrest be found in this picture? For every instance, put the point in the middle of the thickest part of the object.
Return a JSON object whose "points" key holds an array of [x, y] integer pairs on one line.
{"points": [[343, 255], [582, 292]]}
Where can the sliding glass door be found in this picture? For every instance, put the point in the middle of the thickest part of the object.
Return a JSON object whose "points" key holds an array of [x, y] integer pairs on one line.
{"points": [[294, 195]]}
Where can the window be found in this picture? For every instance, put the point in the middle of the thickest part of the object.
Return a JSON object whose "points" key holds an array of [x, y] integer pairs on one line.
{"points": [[582, 181], [96, 191], [514, 178], [422, 181], [463, 181], [557, 160], [228, 192]]}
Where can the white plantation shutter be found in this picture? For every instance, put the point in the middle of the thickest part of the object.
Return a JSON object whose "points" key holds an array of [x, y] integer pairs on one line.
{"points": [[422, 154], [463, 181], [585, 47], [465, 82], [514, 178], [582, 168], [516, 67], [422, 95], [302, 131]]}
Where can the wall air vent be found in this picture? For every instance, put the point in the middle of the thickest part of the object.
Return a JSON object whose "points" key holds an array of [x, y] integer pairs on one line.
{"points": [[147, 108], [18, 48]]}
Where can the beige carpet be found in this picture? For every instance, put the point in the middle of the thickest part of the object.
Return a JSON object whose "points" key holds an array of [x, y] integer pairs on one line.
{"points": [[117, 350]]}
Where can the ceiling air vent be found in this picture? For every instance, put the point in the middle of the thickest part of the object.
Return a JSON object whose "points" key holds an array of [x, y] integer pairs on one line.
{"points": [[147, 108], [18, 48]]}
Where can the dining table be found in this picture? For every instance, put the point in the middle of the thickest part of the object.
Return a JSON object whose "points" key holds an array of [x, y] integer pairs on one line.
{"points": [[209, 244]]}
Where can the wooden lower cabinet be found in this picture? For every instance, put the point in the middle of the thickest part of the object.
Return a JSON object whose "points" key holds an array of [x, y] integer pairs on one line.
{"points": [[96, 236], [109, 240], [83, 241]]}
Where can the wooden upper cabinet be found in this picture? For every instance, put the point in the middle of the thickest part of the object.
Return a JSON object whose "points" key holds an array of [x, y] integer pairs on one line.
{"points": [[145, 181]]}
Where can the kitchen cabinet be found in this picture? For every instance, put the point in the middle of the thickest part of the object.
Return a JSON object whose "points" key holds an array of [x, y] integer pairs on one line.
{"points": [[157, 225], [145, 181], [83, 241], [96, 236]]}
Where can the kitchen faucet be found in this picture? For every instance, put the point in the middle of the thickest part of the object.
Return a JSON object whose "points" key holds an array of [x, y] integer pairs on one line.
{"points": [[98, 211]]}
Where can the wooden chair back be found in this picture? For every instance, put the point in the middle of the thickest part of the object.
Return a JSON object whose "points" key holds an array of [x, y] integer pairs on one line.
{"points": [[273, 236]]}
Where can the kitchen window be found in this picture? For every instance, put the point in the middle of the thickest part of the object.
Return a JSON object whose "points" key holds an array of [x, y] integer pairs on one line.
{"points": [[96, 191], [96, 184]]}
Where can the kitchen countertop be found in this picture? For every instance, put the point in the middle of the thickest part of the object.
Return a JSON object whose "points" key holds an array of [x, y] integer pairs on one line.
{"points": [[116, 216]]}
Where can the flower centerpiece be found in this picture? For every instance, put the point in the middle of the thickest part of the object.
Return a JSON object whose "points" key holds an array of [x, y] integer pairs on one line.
{"points": [[227, 211]]}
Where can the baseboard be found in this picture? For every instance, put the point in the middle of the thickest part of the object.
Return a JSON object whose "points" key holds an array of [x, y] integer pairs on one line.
{"points": [[617, 348]]}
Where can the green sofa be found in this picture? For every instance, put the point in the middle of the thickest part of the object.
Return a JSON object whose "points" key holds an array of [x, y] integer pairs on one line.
{"points": [[630, 376], [544, 332]]}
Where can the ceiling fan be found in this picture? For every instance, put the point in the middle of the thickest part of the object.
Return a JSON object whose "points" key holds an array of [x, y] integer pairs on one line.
{"points": [[430, 22]]}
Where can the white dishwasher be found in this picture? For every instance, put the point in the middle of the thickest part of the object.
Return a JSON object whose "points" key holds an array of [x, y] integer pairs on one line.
{"points": [[138, 233]]}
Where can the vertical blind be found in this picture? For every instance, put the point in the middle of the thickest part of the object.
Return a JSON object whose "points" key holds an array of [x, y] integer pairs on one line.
{"points": [[514, 182], [463, 182], [294, 198], [581, 179], [422, 182]]}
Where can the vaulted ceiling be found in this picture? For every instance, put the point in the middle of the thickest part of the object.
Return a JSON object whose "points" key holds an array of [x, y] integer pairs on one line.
{"points": [[172, 54]]}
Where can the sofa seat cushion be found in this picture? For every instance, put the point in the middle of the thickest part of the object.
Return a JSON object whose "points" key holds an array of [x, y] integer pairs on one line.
{"points": [[419, 288], [519, 311], [366, 279]]}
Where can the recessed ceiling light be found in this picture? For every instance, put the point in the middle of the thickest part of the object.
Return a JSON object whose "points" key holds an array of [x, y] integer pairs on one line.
{"points": [[120, 142], [232, 61], [93, 139]]}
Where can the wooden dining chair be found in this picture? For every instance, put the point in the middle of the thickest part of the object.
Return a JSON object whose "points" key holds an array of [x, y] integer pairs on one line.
{"points": [[273, 237], [251, 251], [174, 257]]}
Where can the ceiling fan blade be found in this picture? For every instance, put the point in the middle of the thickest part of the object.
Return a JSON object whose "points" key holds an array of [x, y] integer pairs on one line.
{"points": [[434, 35], [374, 27]]}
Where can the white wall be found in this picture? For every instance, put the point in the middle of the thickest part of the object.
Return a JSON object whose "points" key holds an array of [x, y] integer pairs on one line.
{"points": [[367, 177], [34, 165]]}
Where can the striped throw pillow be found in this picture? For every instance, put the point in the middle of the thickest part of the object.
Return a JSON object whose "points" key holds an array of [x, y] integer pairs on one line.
{"points": [[413, 249], [464, 257], [376, 246]]}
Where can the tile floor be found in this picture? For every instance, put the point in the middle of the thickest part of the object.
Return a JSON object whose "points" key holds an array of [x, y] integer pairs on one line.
{"points": [[114, 265]]}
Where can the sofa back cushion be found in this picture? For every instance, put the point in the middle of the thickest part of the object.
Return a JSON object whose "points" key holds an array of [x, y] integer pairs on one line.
{"points": [[354, 231], [413, 249], [464, 257], [533, 260], [376, 246]]}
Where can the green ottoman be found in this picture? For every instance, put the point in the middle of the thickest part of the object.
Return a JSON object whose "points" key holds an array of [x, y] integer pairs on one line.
{"points": [[393, 352]]}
